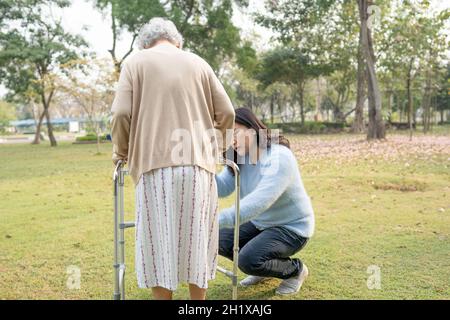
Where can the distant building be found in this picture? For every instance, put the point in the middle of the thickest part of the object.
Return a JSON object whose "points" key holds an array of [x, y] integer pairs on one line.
{"points": [[60, 124]]}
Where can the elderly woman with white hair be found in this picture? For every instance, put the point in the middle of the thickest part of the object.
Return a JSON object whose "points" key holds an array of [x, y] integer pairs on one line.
{"points": [[165, 95]]}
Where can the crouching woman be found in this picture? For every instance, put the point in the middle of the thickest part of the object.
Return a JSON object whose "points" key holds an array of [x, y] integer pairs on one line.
{"points": [[276, 215]]}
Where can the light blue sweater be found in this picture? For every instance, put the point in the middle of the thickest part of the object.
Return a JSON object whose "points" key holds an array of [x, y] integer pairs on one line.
{"points": [[272, 193]]}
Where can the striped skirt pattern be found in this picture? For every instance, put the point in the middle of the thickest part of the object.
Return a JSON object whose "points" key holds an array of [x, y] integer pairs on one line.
{"points": [[177, 229]]}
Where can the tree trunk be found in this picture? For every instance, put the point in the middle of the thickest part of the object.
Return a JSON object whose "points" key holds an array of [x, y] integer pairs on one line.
{"points": [[98, 139], [294, 110], [115, 36], [272, 106], [112, 51], [358, 123], [318, 115], [400, 107], [50, 129], [389, 101], [371, 105], [302, 111], [338, 115], [46, 101], [410, 102], [376, 128], [426, 104], [37, 135]]}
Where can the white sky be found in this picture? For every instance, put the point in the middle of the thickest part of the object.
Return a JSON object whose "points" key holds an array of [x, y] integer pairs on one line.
{"points": [[82, 14]]}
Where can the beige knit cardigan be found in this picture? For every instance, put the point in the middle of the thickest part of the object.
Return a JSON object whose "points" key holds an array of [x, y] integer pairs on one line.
{"points": [[167, 103]]}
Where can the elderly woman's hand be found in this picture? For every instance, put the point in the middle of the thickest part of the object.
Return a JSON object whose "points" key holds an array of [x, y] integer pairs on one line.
{"points": [[117, 157], [115, 161]]}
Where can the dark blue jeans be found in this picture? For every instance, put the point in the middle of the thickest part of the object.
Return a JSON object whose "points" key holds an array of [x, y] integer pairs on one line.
{"points": [[264, 253]]}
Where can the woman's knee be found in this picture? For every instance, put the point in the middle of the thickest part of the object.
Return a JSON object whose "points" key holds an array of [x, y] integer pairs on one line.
{"points": [[250, 264]]}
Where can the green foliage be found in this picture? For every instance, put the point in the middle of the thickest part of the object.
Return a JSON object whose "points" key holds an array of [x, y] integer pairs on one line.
{"points": [[443, 94], [312, 38], [292, 18], [247, 58], [205, 25], [211, 34], [412, 41], [318, 28], [91, 137], [326, 33], [130, 15], [33, 46], [7, 113], [283, 64]]}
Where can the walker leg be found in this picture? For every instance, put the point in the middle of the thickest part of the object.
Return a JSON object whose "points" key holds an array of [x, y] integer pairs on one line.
{"points": [[116, 295], [237, 182], [122, 281], [234, 273], [121, 237], [119, 272]]}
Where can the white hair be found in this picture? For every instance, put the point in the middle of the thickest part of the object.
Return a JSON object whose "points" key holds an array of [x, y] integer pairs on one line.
{"points": [[156, 29]]}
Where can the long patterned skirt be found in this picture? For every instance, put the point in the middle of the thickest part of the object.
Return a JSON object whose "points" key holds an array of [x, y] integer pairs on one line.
{"points": [[176, 227]]}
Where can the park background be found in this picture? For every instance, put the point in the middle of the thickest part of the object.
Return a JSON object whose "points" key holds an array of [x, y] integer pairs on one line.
{"points": [[361, 89]]}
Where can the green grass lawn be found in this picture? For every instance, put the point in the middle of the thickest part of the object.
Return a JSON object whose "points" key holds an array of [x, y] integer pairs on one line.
{"points": [[391, 211]]}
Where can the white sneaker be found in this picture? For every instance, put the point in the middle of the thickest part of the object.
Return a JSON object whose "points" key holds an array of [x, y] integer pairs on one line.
{"points": [[293, 285], [252, 280]]}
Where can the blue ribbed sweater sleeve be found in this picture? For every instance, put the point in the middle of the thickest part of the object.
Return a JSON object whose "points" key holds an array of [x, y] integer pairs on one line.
{"points": [[225, 183], [271, 186]]}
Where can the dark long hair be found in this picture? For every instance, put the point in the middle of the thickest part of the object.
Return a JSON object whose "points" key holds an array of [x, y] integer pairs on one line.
{"points": [[264, 137]]}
